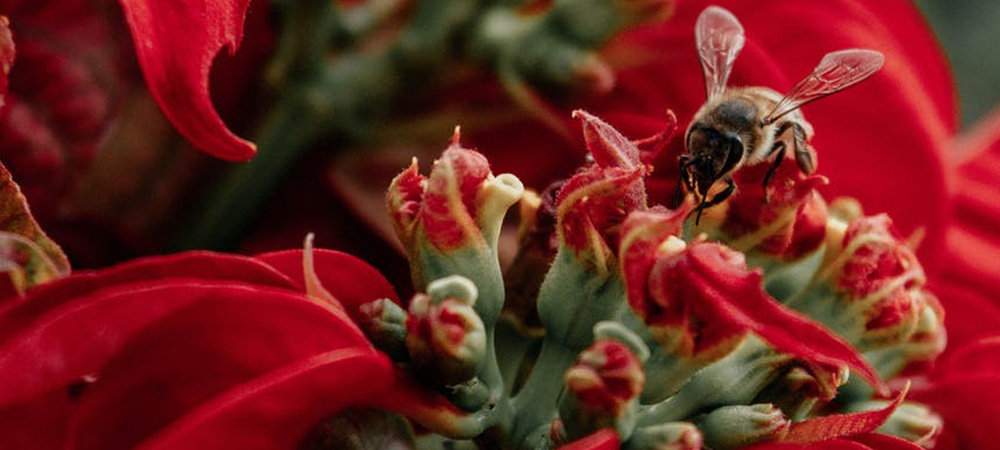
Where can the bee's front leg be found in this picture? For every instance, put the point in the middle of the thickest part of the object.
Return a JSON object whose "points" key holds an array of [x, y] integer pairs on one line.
{"points": [[718, 198], [803, 153], [683, 181], [778, 150]]}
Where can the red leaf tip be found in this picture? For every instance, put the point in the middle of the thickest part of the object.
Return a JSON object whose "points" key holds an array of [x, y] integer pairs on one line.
{"points": [[176, 43]]}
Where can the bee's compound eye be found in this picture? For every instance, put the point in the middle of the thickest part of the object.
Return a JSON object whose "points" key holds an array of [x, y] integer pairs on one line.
{"points": [[703, 139], [734, 152], [697, 139]]}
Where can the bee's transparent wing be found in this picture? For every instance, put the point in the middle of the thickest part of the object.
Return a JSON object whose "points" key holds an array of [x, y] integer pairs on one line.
{"points": [[838, 70], [719, 37]]}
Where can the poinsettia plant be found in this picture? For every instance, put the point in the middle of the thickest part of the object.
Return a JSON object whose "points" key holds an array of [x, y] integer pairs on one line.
{"points": [[654, 335]]}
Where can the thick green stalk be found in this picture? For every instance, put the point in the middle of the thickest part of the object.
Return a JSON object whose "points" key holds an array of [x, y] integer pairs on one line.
{"points": [[535, 404], [733, 380]]}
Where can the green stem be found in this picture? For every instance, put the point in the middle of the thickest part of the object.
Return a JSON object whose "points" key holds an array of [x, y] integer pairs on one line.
{"points": [[513, 348], [733, 380], [535, 405], [490, 374]]}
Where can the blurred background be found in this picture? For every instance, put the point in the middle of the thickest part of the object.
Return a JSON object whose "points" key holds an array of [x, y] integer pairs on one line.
{"points": [[970, 32]]}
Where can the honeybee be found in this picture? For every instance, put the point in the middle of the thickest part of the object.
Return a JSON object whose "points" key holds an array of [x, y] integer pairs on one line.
{"points": [[749, 125]]}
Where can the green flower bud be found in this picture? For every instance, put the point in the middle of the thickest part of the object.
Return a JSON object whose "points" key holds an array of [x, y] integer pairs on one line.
{"points": [[384, 322], [731, 427], [666, 436], [450, 222], [445, 338], [870, 290], [602, 390]]}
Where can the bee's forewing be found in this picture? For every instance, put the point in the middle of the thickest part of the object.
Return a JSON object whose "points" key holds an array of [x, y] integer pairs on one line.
{"points": [[719, 37], [837, 71]]}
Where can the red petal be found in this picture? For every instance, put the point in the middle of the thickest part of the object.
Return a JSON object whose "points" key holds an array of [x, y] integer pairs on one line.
{"points": [[885, 442], [642, 233], [592, 205], [970, 276], [78, 338], [606, 439], [833, 444], [225, 336], [981, 138], [977, 358], [196, 265], [606, 144], [969, 405], [38, 424], [176, 43], [536, 154], [970, 313], [277, 409], [741, 299], [841, 425], [449, 209], [351, 281]]}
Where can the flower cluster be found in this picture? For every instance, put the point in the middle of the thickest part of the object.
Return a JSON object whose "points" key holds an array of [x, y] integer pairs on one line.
{"points": [[653, 330]]}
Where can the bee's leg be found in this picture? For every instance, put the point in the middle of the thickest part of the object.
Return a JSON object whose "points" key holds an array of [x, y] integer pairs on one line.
{"points": [[779, 148], [683, 180], [718, 198], [803, 154], [721, 196]]}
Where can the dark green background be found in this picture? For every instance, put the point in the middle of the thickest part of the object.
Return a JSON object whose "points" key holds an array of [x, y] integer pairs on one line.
{"points": [[969, 30]]}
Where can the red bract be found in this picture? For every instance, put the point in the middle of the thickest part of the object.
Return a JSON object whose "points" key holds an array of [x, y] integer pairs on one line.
{"points": [[208, 342], [592, 205], [965, 390], [176, 43], [451, 202], [842, 431], [968, 281]]}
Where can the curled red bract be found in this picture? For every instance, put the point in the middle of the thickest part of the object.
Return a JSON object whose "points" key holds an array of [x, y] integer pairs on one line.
{"points": [[176, 43]]}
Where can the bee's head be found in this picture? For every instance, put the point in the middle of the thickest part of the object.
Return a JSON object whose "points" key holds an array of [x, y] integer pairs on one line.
{"points": [[713, 154]]}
